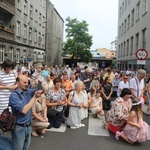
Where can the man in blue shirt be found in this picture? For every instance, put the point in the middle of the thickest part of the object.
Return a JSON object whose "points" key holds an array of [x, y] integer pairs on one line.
{"points": [[21, 105]]}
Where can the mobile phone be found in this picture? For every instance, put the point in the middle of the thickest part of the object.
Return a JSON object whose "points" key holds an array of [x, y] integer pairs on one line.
{"points": [[39, 86]]}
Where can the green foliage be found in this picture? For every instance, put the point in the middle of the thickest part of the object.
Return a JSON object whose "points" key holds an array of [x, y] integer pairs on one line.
{"points": [[78, 40]]}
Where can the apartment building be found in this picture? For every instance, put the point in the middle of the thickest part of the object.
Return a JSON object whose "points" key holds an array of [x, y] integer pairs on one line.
{"points": [[31, 31], [133, 33]]}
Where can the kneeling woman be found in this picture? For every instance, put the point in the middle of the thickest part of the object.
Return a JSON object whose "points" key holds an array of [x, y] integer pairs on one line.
{"points": [[75, 101], [39, 114], [56, 99], [118, 114]]}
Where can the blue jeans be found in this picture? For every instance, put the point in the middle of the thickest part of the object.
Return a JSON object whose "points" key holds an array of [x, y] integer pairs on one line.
{"points": [[21, 137], [5, 142]]}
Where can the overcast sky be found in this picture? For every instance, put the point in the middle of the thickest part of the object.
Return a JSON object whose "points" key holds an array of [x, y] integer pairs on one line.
{"points": [[101, 15]]}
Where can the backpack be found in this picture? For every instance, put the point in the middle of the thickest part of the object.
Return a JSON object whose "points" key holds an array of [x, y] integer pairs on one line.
{"points": [[8, 119]]}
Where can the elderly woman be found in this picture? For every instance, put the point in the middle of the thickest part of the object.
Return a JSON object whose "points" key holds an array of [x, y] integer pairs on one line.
{"points": [[75, 101], [117, 115], [39, 114], [7, 83], [56, 99]]}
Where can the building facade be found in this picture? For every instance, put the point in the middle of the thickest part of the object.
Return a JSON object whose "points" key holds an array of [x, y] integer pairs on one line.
{"points": [[54, 36], [133, 33], [30, 32]]}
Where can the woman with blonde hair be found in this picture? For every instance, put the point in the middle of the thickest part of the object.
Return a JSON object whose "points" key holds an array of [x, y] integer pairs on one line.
{"points": [[75, 101]]}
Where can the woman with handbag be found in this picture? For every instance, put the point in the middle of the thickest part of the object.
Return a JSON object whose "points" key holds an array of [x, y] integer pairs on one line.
{"points": [[56, 99], [76, 102]]}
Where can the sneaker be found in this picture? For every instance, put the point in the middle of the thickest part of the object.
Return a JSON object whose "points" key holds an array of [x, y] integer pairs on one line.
{"points": [[34, 133], [117, 135], [81, 125]]}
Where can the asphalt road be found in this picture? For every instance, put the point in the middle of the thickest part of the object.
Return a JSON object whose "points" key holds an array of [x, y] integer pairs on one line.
{"points": [[79, 140]]}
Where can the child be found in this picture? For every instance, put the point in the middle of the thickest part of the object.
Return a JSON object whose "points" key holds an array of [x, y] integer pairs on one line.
{"points": [[136, 129], [96, 106]]}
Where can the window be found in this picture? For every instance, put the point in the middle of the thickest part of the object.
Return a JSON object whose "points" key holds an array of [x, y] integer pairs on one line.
{"points": [[122, 8], [36, 15], [131, 46], [10, 54], [125, 22], [145, 4], [125, 4], [18, 56], [122, 29], [2, 49], [25, 7], [138, 11], [121, 50], [144, 38], [137, 41], [132, 19], [40, 17], [128, 22], [30, 34], [43, 39], [127, 47], [18, 5], [39, 38], [18, 28], [1, 21], [35, 36], [35, 56], [120, 13], [31, 11], [124, 50], [25, 31]]}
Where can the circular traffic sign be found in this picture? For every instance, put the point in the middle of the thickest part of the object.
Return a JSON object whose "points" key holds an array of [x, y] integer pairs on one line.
{"points": [[141, 54]]}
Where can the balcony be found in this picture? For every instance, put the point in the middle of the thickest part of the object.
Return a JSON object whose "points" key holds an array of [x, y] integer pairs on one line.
{"points": [[6, 34], [8, 5]]}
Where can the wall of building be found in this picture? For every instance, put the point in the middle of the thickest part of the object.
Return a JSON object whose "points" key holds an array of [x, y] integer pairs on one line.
{"points": [[54, 36], [133, 32]]}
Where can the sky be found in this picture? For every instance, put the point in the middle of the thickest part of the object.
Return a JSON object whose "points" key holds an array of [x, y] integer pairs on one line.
{"points": [[101, 15]]}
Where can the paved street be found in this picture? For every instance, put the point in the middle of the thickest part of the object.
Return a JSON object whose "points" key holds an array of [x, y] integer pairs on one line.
{"points": [[79, 140]]}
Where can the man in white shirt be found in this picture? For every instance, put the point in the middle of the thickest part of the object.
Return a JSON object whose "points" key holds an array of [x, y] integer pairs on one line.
{"points": [[123, 84], [137, 84]]}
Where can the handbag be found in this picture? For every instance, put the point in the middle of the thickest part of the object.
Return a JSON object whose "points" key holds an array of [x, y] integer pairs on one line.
{"points": [[8, 119], [51, 113]]}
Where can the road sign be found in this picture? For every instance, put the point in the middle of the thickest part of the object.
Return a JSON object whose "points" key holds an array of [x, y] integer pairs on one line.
{"points": [[141, 62], [29, 58], [141, 54]]}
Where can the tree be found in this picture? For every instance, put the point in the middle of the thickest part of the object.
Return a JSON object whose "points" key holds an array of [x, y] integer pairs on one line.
{"points": [[78, 40]]}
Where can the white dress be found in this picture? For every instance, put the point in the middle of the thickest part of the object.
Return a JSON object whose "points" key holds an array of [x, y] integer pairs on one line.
{"points": [[84, 111], [74, 118]]}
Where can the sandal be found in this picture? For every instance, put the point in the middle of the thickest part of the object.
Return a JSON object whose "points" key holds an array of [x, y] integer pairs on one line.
{"points": [[104, 124]]}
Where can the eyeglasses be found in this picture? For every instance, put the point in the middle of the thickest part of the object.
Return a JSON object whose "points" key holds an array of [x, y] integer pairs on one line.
{"points": [[39, 67]]}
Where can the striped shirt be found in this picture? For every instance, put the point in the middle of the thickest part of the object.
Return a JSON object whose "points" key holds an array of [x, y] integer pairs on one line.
{"points": [[6, 79]]}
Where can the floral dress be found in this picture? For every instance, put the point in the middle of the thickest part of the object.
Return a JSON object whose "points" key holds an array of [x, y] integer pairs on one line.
{"points": [[118, 112], [74, 118]]}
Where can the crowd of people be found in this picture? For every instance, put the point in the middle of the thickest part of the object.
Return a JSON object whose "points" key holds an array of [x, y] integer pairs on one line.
{"points": [[50, 96]]}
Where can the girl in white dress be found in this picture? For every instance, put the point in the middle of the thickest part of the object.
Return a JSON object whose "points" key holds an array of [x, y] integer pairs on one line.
{"points": [[96, 106]]}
